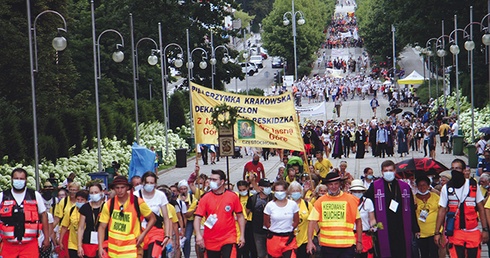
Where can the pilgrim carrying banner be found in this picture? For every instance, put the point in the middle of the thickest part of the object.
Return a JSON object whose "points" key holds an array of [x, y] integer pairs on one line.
{"points": [[266, 122]]}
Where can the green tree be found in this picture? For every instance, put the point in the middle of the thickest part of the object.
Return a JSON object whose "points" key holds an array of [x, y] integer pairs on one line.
{"points": [[176, 111], [278, 39]]}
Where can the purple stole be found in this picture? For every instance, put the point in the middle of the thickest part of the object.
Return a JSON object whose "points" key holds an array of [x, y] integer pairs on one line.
{"points": [[380, 211]]}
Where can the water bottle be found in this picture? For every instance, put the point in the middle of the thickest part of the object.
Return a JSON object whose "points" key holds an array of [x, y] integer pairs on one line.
{"points": [[450, 223], [169, 248], [54, 255]]}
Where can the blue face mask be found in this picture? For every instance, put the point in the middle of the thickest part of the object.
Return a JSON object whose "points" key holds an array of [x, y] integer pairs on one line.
{"points": [[267, 190], [370, 177], [389, 176], [296, 195], [18, 184], [148, 188], [79, 204], [280, 195]]}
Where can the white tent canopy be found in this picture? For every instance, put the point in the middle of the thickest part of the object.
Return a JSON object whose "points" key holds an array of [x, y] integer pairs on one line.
{"points": [[413, 78]]}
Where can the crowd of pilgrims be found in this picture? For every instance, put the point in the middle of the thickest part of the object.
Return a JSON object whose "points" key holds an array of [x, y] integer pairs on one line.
{"points": [[342, 32]]}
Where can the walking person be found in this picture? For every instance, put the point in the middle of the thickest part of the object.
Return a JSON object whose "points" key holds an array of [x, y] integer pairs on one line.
{"points": [[121, 219], [374, 104], [432, 142], [281, 217], [335, 214], [70, 221], [402, 141], [21, 224], [361, 140], [381, 140], [296, 192], [88, 222], [366, 210], [427, 204], [160, 233], [219, 206], [394, 207], [338, 105]]}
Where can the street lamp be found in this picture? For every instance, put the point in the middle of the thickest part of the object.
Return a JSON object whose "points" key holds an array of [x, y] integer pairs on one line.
{"points": [[190, 66], [441, 52], [163, 62], [301, 21], [59, 44], [117, 56], [213, 61], [469, 45], [429, 53], [486, 41], [152, 60]]}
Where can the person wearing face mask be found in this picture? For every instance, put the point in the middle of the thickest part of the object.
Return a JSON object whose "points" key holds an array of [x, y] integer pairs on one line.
{"points": [[89, 222], [70, 224], [160, 233], [62, 208], [248, 250], [49, 200], [19, 231], [220, 207], [394, 207], [460, 208], [366, 210], [281, 217], [368, 178], [427, 207], [295, 191], [255, 206], [335, 214]]}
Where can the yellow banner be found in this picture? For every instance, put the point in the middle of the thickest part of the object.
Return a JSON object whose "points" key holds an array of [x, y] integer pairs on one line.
{"points": [[267, 122]]}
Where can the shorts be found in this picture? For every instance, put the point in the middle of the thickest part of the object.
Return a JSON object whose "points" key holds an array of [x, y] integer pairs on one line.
{"points": [[260, 244], [444, 139]]}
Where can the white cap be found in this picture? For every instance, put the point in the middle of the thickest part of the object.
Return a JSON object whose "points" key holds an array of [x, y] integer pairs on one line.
{"points": [[183, 182]]}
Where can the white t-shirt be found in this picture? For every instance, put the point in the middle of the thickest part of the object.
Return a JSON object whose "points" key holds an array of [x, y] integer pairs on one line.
{"points": [[40, 239], [281, 217], [455, 128], [156, 203], [365, 207], [461, 193], [19, 198]]}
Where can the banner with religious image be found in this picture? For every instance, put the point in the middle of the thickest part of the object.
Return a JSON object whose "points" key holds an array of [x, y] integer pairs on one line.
{"points": [[266, 122]]}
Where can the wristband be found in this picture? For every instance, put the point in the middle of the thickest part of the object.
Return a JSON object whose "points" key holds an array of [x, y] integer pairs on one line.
{"points": [[485, 229], [437, 233]]}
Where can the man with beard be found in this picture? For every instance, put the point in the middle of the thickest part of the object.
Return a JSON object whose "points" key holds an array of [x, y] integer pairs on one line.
{"points": [[254, 168], [394, 207], [460, 206]]}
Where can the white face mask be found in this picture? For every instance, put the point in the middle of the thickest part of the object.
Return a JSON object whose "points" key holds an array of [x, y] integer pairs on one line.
{"points": [[213, 185], [423, 193], [95, 197], [138, 187], [280, 195], [389, 176], [252, 192], [267, 190], [243, 193]]}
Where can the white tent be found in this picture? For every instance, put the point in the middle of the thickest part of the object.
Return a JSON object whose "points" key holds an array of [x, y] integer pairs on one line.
{"points": [[413, 78]]}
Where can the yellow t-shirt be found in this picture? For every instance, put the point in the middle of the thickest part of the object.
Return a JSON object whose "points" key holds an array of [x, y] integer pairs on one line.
{"points": [[192, 206], [487, 204], [172, 214], [71, 222], [432, 206], [144, 209], [442, 128], [59, 211], [323, 167], [302, 229]]}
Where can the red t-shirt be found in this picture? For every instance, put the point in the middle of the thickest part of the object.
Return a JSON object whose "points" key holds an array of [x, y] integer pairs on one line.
{"points": [[258, 170], [225, 206]]}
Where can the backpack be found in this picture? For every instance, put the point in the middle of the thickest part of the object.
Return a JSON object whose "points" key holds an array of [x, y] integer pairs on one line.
{"points": [[64, 207]]}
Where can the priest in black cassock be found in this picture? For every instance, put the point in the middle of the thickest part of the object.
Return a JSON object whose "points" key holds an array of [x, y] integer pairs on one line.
{"points": [[394, 207]]}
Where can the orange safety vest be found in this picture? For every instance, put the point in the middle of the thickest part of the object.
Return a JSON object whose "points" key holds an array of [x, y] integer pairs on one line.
{"points": [[337, 219], [121, 229], [11, 213], [467, 208]]}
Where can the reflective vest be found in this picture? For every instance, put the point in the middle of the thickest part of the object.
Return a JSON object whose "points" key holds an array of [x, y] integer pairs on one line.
{"points": [[19, 223], [122, 229], [336, 221], [467, 216]]}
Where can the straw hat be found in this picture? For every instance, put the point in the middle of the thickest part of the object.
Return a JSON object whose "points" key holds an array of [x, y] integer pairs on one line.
{"points": [[357, 185]]}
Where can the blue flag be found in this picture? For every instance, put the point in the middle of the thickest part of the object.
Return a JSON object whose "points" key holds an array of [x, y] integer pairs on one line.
{"points": [[142, 161]]}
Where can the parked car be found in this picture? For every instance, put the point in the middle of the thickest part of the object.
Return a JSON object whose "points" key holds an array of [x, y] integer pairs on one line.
{"points": [[248, 68], [277, 62], [257, 60]]}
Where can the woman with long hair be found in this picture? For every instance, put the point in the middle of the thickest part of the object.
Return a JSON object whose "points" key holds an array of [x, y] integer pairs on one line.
{"points": [[89, 222]]}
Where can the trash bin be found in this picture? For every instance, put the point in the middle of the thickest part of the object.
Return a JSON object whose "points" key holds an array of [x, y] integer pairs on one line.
{"points": [[160, 156], [472, 157], [190, 142], [181, 158], [100, 175], [458, 145]]}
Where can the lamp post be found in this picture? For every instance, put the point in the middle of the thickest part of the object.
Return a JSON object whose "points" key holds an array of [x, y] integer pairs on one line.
{"points": [[441, 53], [190, 66], [152, 60], [393, 30], [212, 61], [163, 62], [301, 21], [428, 50], [59, 44], [454, 49], [117, 56], [245, 55], [469, 45]]}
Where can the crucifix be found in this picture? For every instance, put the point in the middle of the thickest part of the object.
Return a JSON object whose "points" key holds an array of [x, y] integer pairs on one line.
{"points": [[380, 196], [406, 197]]}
